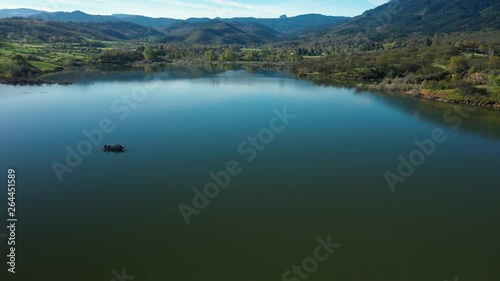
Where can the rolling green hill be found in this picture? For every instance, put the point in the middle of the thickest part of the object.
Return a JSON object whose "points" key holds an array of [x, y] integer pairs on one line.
{"points": [[216, 32]]}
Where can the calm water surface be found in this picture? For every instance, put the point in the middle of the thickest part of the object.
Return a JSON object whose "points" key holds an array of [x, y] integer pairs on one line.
{"points": [[322, 175]]}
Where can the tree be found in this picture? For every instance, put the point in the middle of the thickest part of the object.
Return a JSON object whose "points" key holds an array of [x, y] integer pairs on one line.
{"points": [[483, 49], [494, 62], [458, 65], [459, 45], [210, 55], [252, 56], [229, 55], [152, 54], [120, 57], [18, 59], [496, 82]]}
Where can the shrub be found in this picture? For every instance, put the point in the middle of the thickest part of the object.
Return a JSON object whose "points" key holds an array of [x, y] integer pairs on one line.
{"points": [[496, 82], [458, 64], [494, 62], [120, 57]]}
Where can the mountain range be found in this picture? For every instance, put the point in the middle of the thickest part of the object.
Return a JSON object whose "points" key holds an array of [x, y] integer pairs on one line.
{"points": [[76, 26], [283, 24], [395, 19]]}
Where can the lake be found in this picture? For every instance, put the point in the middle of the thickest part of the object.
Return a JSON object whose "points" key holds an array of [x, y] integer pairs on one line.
{"points": [[291, 180]]}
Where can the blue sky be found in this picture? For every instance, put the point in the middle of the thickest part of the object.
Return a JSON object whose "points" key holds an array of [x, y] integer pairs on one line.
{"points": [[182, 9]]}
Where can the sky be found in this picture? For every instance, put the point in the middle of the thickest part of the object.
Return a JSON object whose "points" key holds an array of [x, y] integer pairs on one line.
{"points": [[182, 9]]}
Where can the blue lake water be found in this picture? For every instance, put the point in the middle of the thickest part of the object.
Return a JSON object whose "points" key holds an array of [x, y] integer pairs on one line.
{"points": [[318, 172]]}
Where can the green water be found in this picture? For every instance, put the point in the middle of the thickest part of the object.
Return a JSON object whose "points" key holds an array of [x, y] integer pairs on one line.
{"points": [[321, 175]]}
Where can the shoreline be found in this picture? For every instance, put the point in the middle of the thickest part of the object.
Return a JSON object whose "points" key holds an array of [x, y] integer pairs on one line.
{"points": [[32, 82], [345, 81], [470, 103], [425, 94]]}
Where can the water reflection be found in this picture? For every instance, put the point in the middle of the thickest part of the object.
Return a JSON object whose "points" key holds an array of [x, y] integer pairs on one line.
{"points": [[482, 121], [485, 122], [323, 174]]}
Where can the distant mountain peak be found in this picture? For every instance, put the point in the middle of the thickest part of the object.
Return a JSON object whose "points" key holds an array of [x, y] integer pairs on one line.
{"points": [[21, 12]]}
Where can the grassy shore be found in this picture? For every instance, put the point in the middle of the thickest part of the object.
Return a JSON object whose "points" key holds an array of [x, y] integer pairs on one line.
{"points": [[463, 71]]}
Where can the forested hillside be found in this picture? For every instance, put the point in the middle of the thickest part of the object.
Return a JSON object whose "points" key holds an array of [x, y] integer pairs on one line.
{"points": [[399, 18], [216, 32]]}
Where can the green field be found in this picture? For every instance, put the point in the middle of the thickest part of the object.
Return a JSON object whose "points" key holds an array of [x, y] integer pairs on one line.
{"points": [[45, 66], [53, 57]]}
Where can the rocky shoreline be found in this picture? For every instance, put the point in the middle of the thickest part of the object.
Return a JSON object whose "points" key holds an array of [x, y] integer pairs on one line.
{"points": [[355, 82], [472, 103]]}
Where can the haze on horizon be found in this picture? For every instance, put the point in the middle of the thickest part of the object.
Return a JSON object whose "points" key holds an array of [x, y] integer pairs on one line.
{"points": [[180, 9]]}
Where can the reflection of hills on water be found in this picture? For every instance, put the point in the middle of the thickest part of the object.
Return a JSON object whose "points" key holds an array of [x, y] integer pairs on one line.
{"points": [[89, 76], [482, 121]]}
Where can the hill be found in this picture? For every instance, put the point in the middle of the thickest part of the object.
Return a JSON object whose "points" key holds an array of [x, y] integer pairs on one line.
{"points": [[130, 30], [259, 30], [10, 13], [296, 24], [147, 21], [216, 32], [399, 18], [76, 16], [48, 31]]}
